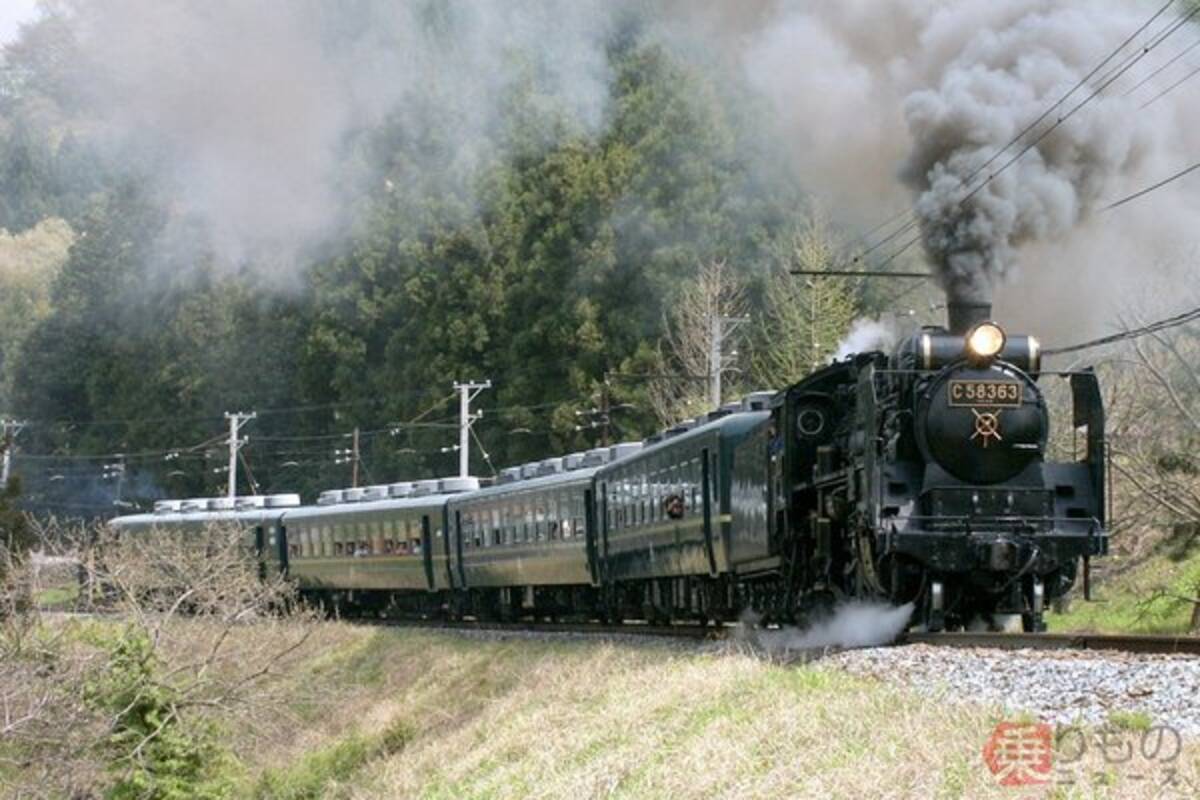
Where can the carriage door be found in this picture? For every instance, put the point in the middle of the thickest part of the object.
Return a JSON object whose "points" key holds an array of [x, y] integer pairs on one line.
{"points": [[260, 551], [277, 544], [426, 550], [602, 533], [707, 474], [458, 547], [590, 529]]}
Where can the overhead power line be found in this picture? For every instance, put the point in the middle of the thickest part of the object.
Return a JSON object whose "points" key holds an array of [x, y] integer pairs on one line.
{"points": [[1159, 71], [913, 220], [1149, 189], [1135, 333], [1170, 88]]}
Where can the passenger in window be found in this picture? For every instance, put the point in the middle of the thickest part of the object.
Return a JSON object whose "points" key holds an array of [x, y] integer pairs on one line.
{"points": [[673, 506]]}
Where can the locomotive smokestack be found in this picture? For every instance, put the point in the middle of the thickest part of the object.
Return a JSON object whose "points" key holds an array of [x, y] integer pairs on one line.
{"points": [[968, 302], [966, 314]]}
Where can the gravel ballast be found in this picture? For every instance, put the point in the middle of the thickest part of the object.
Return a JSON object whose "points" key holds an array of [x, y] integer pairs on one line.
{"points": [[1083, 687]]}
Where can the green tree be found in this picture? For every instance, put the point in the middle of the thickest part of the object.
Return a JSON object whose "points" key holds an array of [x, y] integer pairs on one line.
{"points": [[804, 318]]}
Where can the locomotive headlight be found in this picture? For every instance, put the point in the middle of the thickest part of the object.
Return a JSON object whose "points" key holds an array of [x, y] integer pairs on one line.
{"points": [[985, 341]]}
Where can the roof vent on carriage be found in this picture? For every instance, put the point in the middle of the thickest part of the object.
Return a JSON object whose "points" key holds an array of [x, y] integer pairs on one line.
{"points": [[509, 475], [549, 466], [330, 497], [376, 492], [287, 500], [573, 461], [220, 504], [353, 495], [398, 490], [530, 470], [596, 457], [426, 488], [619, 451], [757, 401], [249, 503], [455, 485], [167, 506], [682, 427]]}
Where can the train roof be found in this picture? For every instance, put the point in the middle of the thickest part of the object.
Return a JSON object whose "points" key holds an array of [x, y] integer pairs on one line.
{"points": [[729, 424], [174, 518], [531, 484], [368, 507]]}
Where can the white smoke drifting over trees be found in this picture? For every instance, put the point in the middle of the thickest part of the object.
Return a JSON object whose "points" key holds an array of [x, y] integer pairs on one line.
{"points": [[245, 111]]}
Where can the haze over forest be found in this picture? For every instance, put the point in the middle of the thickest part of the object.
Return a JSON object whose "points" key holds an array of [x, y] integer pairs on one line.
{"points": [[328, 212]]}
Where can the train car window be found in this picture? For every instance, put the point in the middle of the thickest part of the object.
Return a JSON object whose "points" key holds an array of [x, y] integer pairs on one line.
{"points": [[528, 509], [337, 548], [477, 530], [414, 545]]}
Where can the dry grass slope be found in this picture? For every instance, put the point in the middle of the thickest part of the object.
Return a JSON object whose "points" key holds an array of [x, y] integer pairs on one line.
{"points": [[518, 718]]}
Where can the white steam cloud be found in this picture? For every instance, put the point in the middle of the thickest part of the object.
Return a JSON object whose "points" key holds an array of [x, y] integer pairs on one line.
{"points": [[853, 624], [244, 109], [866, 335]]}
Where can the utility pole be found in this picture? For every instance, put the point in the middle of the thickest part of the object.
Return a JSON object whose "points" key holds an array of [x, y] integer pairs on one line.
{"points": [[718, 328], [349, 455], [236, 420], [11, 428], [605, 414], [466, 393], [116, 471]]}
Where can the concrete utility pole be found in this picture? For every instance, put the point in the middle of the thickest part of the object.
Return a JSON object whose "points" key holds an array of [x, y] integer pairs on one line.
{"points": [[116, 471], [718, 328], [11, 428], [351, 456], [236, 420], [466, 393]]}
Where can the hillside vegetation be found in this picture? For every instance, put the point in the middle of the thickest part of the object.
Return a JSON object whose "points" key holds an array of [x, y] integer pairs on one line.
{"points": [[383, 713]]}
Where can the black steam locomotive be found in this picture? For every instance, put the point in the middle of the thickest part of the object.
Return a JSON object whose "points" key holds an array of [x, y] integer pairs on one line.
{"points": [[917, 477], [923, 477]]}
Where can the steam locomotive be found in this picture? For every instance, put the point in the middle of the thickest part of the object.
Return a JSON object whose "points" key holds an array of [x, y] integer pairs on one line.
{"points": [[920, 476]]}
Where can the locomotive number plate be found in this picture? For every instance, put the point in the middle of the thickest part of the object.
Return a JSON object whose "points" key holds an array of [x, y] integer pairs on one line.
{"points": [[992, 394]]}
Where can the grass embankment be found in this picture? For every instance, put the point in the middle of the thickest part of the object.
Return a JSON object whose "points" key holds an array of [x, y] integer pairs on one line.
{"points": [[1149, 596], [387, 714], [368, 713]]}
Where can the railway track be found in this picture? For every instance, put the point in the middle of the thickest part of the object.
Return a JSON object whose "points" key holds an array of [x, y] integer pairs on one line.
{"points": [[1124, 643], [697, 632]]}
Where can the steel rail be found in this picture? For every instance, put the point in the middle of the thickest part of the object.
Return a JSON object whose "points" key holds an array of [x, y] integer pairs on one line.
{"points": [[1122, 642]]}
